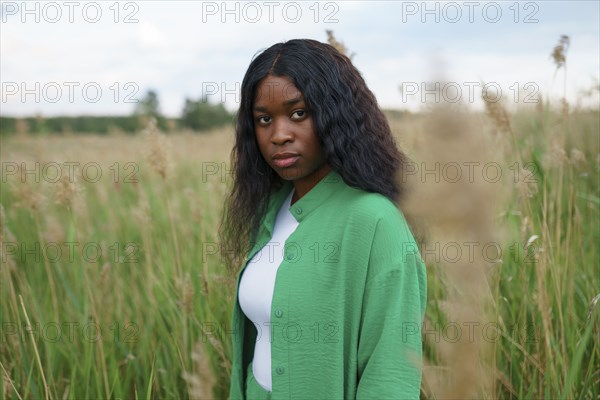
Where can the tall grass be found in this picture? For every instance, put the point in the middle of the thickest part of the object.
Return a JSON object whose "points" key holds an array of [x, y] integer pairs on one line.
{"points": [[508, 316], [144, 311]]}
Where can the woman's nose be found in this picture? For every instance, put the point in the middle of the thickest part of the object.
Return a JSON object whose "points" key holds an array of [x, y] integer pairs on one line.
{"points": [[281, 132]]}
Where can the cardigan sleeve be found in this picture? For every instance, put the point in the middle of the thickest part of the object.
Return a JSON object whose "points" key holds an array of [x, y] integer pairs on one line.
{"points": [[390, 345]]}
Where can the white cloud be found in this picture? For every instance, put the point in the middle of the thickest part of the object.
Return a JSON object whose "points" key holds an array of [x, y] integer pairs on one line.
{"points": [[150, 37]]}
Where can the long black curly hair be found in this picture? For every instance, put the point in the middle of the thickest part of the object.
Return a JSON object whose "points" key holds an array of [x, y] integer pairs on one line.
{"points": [[352, 130]]}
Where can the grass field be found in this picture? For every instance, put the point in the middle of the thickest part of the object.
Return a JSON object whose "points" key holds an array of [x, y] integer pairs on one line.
{"points": [[112, 285]]}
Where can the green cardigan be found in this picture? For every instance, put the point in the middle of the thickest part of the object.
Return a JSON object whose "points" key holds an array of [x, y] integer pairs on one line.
{"points": [[348, 303]]}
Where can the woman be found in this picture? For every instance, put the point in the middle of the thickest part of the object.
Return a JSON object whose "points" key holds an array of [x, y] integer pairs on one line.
{"points": [[331, 293]]}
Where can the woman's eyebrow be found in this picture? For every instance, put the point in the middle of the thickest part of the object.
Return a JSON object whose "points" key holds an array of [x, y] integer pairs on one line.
{"points": [[286, 103], [293, 101], [259, 109]]}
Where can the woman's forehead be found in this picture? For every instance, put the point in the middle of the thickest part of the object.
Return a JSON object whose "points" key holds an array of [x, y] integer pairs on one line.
{"points": [[276, 87]]}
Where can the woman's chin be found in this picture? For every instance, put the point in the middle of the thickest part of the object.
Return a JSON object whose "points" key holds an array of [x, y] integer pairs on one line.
{"points": [[289, 173]]}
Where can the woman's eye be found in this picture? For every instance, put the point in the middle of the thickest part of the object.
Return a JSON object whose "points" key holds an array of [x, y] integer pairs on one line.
{"points": [[265, 119], [298, 114]]}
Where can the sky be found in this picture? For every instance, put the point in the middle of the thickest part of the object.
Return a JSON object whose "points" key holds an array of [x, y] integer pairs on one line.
{"points": [[98, 58]]}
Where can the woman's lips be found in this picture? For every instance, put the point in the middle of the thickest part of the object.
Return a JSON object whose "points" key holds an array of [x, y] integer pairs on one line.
{"points": [[285, 162]]}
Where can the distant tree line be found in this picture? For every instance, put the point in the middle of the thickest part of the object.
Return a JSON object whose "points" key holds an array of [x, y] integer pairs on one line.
{"points": [[197, 115]]}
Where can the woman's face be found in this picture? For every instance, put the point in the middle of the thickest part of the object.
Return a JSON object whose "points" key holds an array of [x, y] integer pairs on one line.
{"points": [[283, 125]]}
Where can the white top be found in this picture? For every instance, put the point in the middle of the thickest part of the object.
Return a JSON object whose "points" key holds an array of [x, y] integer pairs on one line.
{"points": [[256, 291]]}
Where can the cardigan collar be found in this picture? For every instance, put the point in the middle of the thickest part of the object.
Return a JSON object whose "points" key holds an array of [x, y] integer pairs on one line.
{"points": [[328, 185]]}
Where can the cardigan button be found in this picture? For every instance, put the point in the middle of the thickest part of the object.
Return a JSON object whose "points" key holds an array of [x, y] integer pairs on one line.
{"points": [[299, 210], [280, 370], [278, 313]]}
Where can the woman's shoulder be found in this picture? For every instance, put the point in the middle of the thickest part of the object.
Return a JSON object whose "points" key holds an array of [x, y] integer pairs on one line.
{"points": [[372, 205], [381, 214]]}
